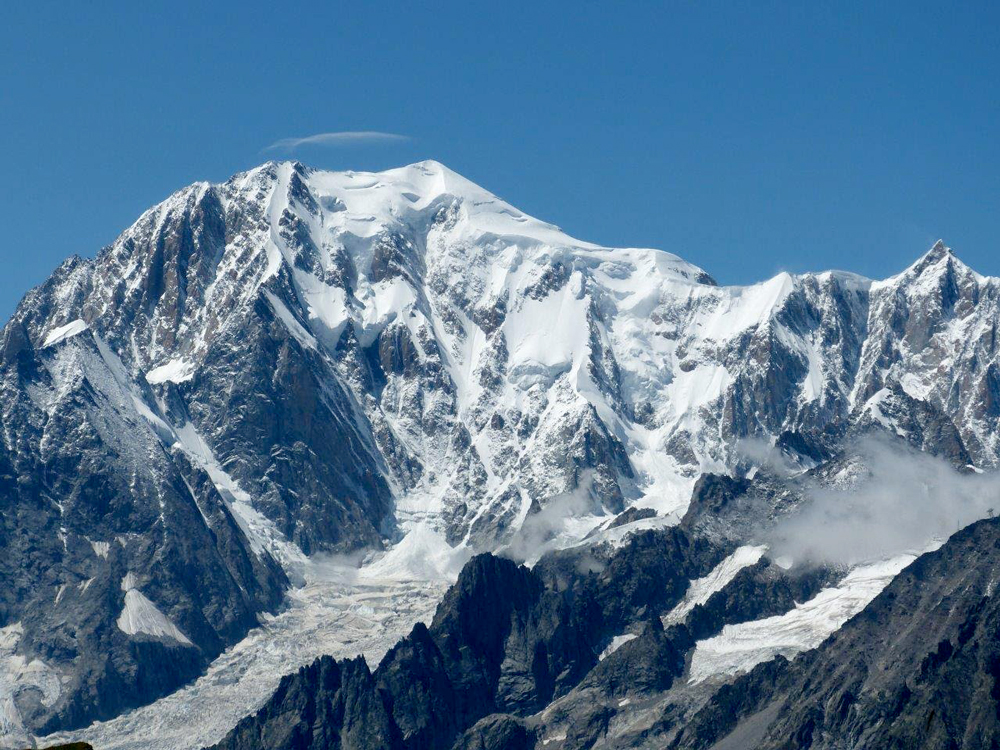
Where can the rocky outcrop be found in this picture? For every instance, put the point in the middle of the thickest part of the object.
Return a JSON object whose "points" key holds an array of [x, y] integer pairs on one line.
{"points": [[127, 571], [505, 642], [916, 668]]}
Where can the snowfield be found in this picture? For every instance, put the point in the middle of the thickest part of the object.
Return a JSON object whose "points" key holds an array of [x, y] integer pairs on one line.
{"points": [[701, 589], [739, 648]]}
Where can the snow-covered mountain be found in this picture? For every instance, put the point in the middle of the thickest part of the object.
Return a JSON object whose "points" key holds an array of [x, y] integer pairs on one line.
{"points": [[297, 362]]}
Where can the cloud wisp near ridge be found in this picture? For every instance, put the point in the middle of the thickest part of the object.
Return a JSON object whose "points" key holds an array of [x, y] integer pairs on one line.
{"points": [[337, 138]]}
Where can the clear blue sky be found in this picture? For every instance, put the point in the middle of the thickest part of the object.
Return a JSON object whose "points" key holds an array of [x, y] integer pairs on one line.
{"points": [[746, 137]]}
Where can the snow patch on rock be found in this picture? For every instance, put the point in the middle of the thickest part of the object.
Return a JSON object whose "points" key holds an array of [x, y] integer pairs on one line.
{"points": [[175, 371], [739, 648], [616, 643], [64, 332], [140, 615], [700, 590]]}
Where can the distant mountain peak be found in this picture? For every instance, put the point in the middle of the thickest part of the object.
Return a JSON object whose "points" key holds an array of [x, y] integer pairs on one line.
{"points": [[940, 248], [940, 259], [938, 252]]}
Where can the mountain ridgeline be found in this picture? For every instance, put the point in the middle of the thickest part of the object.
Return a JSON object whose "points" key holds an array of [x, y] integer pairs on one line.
{"points": [[297, 363]]}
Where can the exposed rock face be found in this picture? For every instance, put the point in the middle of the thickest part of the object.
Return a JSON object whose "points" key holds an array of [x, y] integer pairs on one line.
{"points": [[917, 668], [299, 362], [121, 558], [504, 643], [933, 335], [327, 704]]}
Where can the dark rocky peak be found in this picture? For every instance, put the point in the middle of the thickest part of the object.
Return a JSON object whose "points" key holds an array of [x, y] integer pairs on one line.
{"points": [[712, 494], [476, 612], [325, 704], [939, 269], [648, 663], [938, 251], [413, 681], [299, 191]]}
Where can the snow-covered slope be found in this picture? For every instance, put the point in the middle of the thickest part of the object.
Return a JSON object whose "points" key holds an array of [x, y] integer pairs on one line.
{"points": [[319, 362], [739, 648], [487, 362]]}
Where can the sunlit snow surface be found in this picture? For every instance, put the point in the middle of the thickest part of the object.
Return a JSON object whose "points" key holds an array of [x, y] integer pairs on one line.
{"points": [[139, 615], [701, 589], [616, 643], [174, 371], [340, 611], [739, 648], [64, 332]]}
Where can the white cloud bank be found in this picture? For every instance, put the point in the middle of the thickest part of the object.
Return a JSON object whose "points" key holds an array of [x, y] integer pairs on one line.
{"points": [[904, 501]]}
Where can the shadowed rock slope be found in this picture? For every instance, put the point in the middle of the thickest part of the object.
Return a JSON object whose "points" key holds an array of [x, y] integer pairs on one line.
{"points": [[511, 661], [505, 640], [918, 668]]}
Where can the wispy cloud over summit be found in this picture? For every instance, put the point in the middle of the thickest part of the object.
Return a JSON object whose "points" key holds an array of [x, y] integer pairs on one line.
{"points": [[339, 138]]}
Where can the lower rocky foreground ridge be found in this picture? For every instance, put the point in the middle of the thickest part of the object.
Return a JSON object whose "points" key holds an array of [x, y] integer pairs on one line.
{"points": [[650, 632], [513, 660], [919, 667]]}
